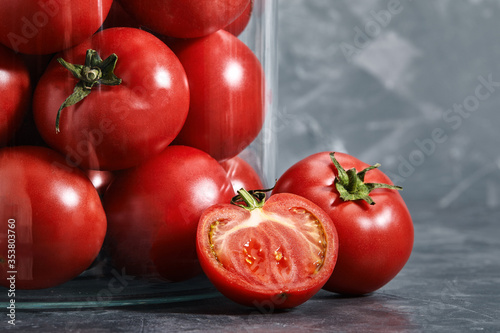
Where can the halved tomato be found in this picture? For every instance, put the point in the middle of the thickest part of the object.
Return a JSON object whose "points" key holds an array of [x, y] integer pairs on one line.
{"points": [[276, 253]]}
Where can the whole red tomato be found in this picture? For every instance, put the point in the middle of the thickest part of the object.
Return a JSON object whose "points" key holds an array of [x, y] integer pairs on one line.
{"points": [[187, 18], [226, 83], [52, 221], [15, 93], [154, 208], [119, 125], [237, 26], [276, 253], [374, 226], [49, 26], [242, 174]]}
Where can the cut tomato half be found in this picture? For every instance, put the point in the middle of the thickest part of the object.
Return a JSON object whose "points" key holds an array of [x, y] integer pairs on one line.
{"points": [[278, 253]]}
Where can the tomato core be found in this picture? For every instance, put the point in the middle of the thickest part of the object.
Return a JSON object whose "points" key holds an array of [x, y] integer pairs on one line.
{"points": [[269, 249]]}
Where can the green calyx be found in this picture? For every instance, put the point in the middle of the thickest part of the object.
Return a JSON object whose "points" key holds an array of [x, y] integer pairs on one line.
{"points": [[351, 184], [95, 71], [250, 200]]}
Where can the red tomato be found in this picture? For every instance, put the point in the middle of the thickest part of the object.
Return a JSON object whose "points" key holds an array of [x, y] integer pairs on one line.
{"points": [[15, 93], [187, 18], [36, 64], [51, 218], [118, 17], [49, 26], [375, 239], [242, 174], [237, 26], [27, 134], [115, 127], [100, 179], [153, 211], [226, 83], [276, 254]]}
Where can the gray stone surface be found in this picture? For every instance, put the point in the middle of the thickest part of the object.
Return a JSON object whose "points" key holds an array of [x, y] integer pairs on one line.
{"points": [[450, 284]]}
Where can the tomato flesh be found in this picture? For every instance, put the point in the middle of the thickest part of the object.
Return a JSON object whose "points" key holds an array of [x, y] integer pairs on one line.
{"points": [[263, 249], [283, 252]]}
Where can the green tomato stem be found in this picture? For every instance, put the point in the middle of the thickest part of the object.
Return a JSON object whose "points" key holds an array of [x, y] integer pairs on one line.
{"points": [[250, 200], [351, 184], [95, 71]]}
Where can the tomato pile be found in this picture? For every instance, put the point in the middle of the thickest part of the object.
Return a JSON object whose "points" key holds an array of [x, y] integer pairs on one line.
{"points": [[121, 127]]}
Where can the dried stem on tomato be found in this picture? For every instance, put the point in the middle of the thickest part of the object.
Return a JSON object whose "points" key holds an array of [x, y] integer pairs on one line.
{"points": [[95, 71]]}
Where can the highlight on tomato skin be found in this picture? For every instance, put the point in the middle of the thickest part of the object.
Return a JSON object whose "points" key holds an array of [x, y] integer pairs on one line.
{"points": [[144, 87], [374, 225], [53, 218], [15, 93], [278, 253], [101, 179], [226, 94], [153, 212]]}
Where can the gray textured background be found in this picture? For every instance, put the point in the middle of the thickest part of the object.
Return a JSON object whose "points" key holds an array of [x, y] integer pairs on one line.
{"points": [[376, 78]]}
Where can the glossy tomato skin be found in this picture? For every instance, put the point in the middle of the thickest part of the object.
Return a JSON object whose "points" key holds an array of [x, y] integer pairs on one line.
{"points": [[100, 179], [15, 93], [49, 26], [242, 174], [226, 83], [115, 127], [57, 217], [287, 281], [187, 18], [375, 240], [154, 208], [237, 26]]}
